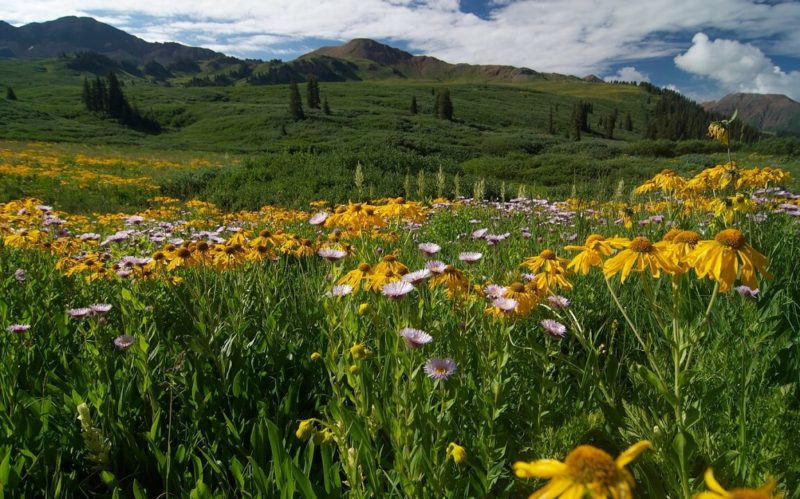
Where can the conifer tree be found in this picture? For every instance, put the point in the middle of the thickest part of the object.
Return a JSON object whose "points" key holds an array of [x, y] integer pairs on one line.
{"points": [[325, 107], [86, 94], [610, 123], [10, 95], [551, 127], [295, 103], [312, 93], [444, 106], [116, 103], [413, 109], [628, 122]]}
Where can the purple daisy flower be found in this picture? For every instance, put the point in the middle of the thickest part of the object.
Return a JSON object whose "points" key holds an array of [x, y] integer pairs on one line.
{"points": [[397, 290], [440, 368], [332, 255], [479, 234], [18, 328], [436, 266], [417, 276], [554, 328], [470, 256], [100, 308], [78, 313], [558, 302], [319, 218], [341, 290], [494, 291], [505, 304], [415, 338], [123, 342], [747, 292], [429, 249], [19, 275]]}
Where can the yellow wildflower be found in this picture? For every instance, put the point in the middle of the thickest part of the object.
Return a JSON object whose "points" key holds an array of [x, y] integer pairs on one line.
{"points": [[586, 472]]}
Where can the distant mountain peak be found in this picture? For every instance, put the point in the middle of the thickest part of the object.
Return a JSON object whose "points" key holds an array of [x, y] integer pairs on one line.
{"points": [[769, 112], [367, 49], [80, 34]]}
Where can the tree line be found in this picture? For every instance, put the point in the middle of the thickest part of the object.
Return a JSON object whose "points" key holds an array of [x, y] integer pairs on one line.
{"points": [[104, 96]]}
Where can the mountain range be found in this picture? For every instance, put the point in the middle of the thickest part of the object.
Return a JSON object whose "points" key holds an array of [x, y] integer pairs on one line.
{"points": [[359, 59], [768, 112], [93, 46]]}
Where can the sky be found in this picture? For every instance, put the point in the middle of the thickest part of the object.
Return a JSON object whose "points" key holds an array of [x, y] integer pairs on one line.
{"points": [[703, 49]]}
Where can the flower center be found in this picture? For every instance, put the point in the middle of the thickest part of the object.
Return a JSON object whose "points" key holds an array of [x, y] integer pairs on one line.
{"points": [[641, 245], [184, 253], [687, 236], [440, 370], [547, 255], [518, 287], [389, 258], [265, 233], [364, 267], [587, 464], [732, 238]]}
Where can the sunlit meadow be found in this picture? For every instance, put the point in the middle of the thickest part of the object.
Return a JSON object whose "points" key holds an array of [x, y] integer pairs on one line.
{"points": [[644, 345]]}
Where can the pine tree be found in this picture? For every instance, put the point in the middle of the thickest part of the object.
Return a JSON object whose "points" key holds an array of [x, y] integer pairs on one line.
{"points": [[576, 123], [413, 105], [10, 95], [295, 103], [325, 107], [444, 106], [628, 122], [610, 123], [551, 127], [116, 104], [98, 97], [86, 94], [312, 93]]}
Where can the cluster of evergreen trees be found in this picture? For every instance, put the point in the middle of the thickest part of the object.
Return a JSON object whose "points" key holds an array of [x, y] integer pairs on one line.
{"points": [[312, 99], [105, 96], [443, 106], [678, 118]]}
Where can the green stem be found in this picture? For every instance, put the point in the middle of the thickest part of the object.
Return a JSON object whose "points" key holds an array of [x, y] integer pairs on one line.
{"points": [[645, 346]]}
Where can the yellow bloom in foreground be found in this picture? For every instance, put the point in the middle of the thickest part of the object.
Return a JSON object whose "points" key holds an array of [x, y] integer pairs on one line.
{"points": [[721, 259], [638, 255], [591, 254], [717, 492], [359, 351], [458, 453], [586, 472], [305, 429]]}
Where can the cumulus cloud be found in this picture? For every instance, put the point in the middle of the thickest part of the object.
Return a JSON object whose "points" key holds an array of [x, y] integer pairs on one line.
{"points": [[567, 36], [739, 67], [628, 73]]}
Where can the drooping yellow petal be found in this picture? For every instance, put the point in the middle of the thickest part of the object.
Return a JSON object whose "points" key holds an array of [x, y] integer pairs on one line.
{"points": [[633, 452], [552, 490], [543, 468], [713, 484]]}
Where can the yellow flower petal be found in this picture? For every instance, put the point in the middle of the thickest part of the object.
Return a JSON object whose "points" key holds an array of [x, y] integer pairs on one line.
{"points": [[543, 468], [632, 452], [713, 484]]}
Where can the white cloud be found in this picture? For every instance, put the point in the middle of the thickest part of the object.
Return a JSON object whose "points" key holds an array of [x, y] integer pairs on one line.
{"points": [[628, 73], [738, 67], [568, 36]]}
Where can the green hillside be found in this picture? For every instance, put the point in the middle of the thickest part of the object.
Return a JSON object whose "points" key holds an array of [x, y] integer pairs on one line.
{"points": [[500, 133]]}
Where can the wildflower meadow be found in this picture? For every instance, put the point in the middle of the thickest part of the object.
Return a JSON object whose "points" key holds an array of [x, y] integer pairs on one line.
{"points": [[640, 345]]}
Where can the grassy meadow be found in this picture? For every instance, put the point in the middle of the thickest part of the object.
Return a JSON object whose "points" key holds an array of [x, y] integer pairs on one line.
{"points": [[375, 303], [157, 343]]}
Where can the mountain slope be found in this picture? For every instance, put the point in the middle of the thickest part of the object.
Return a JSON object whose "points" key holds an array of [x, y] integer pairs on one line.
{"points": [[768, 112], [379, 60], [75, 34]]}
